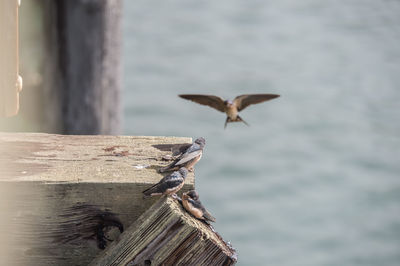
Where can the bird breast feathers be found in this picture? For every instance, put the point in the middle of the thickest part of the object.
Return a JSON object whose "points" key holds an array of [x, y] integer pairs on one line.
{"points": [[193, 210]]}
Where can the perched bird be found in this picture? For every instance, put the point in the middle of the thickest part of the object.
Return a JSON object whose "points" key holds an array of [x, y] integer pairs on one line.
{"points": [[231, 108], [188, 157], [191, 202], [168, 185]]}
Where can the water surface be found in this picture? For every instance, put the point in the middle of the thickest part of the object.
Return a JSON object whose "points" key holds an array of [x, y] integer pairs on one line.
{"points": [[315, 179]]}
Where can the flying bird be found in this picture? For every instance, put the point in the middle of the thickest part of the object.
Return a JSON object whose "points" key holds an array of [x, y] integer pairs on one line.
{"points": [[231, 108], [191, 202], [188, 156], [168, 185]]}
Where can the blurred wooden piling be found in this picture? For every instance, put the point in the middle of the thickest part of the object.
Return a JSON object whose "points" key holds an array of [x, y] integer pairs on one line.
{"points": [[82, 68], [10, 81], [55, 189], [167, 235], [70, 62]]}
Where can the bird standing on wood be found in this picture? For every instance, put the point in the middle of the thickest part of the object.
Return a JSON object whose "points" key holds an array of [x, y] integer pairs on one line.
{"points": [[168, 185], [191, 202], [189, 157], [231, 108]]}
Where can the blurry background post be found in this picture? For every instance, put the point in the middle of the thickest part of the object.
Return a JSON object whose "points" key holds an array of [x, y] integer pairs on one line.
{"points": [[9, 89], [9, 105], [71, 66], [82, 67]]}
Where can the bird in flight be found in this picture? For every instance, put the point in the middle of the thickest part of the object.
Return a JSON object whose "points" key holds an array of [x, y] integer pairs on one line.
{"points": [[231, 108]]}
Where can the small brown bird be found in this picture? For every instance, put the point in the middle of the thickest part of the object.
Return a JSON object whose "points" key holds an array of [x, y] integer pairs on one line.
{"points": [[191, 202], [168, 185], [190, 155], [231, 108]]}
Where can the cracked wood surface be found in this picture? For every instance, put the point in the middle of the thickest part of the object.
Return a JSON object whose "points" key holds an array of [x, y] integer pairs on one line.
{"points": [[55, 188], [72, 158], [167, 235]]}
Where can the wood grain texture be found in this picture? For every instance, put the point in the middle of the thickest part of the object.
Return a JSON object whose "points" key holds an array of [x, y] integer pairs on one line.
{"points": [[58, 187], [80, 159], [167, 235]]}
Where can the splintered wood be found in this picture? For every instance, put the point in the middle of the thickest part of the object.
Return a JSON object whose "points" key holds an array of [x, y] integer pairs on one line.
{"points": [[167, 235], [58, 193]]}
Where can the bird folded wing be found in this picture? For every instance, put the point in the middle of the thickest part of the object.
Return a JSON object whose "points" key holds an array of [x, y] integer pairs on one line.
{"points": [[180, 149], [172, 183], [208, 216], [188, 157]]}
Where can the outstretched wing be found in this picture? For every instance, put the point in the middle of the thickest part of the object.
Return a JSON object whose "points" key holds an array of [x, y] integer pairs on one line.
{"points": [[209, 100], [242, 101]]}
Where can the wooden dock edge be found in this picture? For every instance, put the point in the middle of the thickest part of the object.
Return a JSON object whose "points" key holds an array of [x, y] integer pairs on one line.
{"points": [[57, 190], [167, 235]]}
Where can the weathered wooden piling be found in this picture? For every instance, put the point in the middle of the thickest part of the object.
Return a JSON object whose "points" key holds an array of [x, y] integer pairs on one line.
{"points": [[82, 67], [10, 82], [167, 235], [58, 193], [71, 65]]}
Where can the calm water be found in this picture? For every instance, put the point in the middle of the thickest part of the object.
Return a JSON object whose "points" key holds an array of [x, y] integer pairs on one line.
{"points": [[315, 179]]}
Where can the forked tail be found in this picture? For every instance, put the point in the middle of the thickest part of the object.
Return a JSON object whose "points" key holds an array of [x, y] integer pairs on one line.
{"points": [[227, 120], [238, 119]]}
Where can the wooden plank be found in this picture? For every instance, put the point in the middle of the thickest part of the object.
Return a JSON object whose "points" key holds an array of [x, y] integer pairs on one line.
{"points": [[9, 91], [167, 235], [62, 158], [60, 187]]}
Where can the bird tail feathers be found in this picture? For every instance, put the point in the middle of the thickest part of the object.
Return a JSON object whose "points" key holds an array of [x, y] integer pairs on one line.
{"points": [[238, 119], [147, 193], [227, 121], [209, 217]]}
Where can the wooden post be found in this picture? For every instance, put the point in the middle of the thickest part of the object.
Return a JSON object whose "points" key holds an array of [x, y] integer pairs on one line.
{"points": [[167, 235], [10, 81], [55, 191], [82, 75]]}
